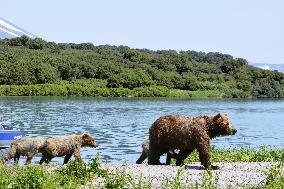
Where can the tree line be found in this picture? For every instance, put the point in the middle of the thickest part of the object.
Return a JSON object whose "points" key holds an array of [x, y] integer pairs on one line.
{"points": [[26, 62]]}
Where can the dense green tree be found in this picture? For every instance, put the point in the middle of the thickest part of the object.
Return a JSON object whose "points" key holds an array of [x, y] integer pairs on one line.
{"points": [[19, 41], [45, 73], [232, 66], [191, 82], [83, 46], [211, 57], [130, 79], [36, 44], [38, 67]]}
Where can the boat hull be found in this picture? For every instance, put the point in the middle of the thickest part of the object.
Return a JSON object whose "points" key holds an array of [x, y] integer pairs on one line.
{"points": [[8, 136]]}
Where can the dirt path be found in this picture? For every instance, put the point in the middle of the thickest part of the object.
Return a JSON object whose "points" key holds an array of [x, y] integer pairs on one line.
{"points": [[230, 175]]}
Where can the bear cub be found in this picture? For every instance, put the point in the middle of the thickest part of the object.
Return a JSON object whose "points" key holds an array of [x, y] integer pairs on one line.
{"points": [[66, 146]]}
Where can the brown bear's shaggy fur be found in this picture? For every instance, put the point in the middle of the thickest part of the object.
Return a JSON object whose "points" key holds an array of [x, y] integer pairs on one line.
{"points": [[65, 146], [145, 153], [186, 133], [24, 147]]}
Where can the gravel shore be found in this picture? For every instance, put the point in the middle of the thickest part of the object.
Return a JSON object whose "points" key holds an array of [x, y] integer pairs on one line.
{"points": [[230, 175]]}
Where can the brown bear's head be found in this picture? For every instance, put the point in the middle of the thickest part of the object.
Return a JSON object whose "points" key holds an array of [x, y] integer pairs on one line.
{"points": [[88, 140], [220, 126], [145, 146]]}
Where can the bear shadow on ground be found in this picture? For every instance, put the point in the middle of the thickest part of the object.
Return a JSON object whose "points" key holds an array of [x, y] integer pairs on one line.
{"points": [[196, 167], [199, 167]]}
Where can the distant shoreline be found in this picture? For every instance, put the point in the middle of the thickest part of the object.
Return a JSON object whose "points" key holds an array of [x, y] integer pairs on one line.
{"points": [[73, 90]]}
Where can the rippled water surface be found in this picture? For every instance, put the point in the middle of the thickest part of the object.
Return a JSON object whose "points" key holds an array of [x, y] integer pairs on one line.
{"points": [[121, 125]]}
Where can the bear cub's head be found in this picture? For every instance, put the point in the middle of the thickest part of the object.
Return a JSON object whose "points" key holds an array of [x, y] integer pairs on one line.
{"points": [[221, 126], [88, 140]]}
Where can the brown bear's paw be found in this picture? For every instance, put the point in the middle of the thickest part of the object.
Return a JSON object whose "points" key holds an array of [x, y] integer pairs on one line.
{"points": [[212, 167]]}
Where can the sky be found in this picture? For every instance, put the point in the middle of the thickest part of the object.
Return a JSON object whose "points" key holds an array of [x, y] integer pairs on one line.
{"points": [[250, 29]]}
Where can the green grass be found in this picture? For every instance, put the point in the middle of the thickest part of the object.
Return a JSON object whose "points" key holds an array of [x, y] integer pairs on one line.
{"points": [[206, 94], [98, 88], [263, 154], [275, 178], [74, 174]]}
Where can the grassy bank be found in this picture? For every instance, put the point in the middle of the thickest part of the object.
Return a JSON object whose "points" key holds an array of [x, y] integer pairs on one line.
{"points": [[98, 88], [263, 154], [75, 175]]}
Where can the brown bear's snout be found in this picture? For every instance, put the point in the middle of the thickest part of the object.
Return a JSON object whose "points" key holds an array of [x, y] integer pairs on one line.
{"points": [[93, 144], [234, 131]]}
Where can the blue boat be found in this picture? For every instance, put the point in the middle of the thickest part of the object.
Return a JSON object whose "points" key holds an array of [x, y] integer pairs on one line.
{"points": [[8, 135]]}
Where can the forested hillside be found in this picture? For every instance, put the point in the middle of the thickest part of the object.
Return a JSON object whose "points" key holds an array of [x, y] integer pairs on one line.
{"points": [[36, 67]]}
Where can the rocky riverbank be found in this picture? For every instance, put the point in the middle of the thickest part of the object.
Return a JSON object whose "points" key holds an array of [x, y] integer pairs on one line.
{"points": [[230, 175]]}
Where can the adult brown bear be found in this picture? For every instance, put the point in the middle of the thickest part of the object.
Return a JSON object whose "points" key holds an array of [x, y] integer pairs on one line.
{"points": [[187, 133]]}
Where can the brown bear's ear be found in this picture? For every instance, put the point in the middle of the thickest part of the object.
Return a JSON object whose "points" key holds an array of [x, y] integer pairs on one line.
{"points": [[216, 117], [85, 135]]}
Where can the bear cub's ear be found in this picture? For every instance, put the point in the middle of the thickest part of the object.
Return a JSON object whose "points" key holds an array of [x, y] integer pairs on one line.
{"points": [[85, 135]]}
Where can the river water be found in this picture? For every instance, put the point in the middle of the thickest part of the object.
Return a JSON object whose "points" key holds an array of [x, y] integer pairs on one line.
{"points": [[121, 125]]}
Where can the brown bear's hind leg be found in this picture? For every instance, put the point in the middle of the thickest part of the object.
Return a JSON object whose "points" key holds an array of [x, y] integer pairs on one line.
{"points": [[170, 154], [29, 159], [181, 156], [67, 158], [45, 158]]}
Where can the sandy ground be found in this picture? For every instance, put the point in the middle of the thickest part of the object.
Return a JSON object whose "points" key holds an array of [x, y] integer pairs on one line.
{"points": [[230, 175]]}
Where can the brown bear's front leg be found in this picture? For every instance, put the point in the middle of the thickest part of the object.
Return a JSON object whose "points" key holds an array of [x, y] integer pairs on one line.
{"points": [[67, 158], [202, 141], [10, 154], [204, 156], [41, 160], [155, 152], [16, 158], [29, 158], [77, 155]]}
